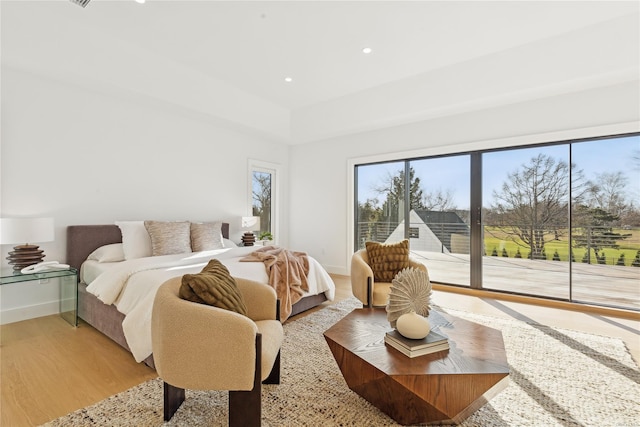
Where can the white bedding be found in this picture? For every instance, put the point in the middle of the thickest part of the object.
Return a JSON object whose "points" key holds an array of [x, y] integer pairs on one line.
{"points": [[131, 285]]}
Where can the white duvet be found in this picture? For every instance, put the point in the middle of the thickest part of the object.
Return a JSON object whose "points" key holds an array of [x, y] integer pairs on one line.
{"points": [[131, 286]]}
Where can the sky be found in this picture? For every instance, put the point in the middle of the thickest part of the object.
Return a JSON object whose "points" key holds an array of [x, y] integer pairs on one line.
{"points": [[452, 173]]}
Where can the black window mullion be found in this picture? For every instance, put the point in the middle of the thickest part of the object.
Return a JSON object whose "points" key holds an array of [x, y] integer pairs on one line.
{"points": [[476, 249], [407, 198]]}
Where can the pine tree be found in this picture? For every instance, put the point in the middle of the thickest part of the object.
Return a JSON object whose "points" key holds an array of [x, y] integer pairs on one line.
{"points": [[543, 255], [597, 230], [601, 259], [585, 257]]}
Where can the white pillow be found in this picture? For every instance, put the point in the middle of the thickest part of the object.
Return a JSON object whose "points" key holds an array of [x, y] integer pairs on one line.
{"points": [[108, 253], [136, 242], [206, 236], [228, 243]]}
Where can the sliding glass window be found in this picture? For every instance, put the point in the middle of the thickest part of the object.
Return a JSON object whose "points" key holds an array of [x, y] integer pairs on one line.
{"points": [[380, 203], [439, 216], [559, 220], [606, 222], [526, 221]]}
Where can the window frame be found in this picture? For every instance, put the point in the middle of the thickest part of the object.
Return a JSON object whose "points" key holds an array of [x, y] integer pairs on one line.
{"points": [[476, 199]]}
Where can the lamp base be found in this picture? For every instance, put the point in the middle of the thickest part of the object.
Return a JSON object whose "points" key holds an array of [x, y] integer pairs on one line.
{"points": [[248, 238], [25, 255]]}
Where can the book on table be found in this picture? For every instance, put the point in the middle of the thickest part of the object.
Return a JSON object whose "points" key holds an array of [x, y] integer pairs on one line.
{"points": [[432, 343]]}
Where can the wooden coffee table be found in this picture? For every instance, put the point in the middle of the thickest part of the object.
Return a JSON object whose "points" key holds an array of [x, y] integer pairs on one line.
{"points": [[443, 387]]}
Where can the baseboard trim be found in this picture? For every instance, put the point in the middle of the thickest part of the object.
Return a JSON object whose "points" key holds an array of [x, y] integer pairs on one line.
{"points": [[19, 314], [335, 269]]}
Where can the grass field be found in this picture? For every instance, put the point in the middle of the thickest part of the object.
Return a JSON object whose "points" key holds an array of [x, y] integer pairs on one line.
{"points": [[497, 239]]}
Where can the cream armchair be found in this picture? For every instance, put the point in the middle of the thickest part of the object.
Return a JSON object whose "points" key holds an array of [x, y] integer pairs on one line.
{"points": [[201, 347], [363, 286]]}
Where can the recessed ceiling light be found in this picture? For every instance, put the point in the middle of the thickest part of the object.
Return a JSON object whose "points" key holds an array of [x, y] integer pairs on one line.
{"points": [[140, 1], [288, 79], [367, 50]]}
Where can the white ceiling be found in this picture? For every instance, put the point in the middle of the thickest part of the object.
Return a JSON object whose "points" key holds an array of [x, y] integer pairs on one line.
{"points": [[195, 53]]}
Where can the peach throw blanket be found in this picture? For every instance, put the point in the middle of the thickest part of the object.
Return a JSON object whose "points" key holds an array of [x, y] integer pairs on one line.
{"points": [[287, 272]]}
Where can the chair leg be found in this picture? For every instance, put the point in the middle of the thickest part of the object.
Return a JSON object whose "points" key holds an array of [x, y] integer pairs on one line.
{"points": [[173, 398], [245, 406], [274, 375]]}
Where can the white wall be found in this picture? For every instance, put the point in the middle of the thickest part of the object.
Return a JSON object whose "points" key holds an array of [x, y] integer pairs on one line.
{"points": [[85, 156], [321, 186]]}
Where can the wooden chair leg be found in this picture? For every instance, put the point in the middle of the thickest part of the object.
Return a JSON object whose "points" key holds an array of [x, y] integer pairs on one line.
{"points": [[173, 398], [245, 407], [274, 375]]}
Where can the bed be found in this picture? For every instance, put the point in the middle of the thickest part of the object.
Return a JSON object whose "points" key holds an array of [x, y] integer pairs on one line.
{"points": [[83, 240]]}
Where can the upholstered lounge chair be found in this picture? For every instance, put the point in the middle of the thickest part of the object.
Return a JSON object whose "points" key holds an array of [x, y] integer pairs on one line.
{"points": [[363, 286], [201, 347]]}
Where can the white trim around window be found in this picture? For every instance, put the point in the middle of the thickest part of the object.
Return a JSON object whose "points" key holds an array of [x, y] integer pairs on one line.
{"points": [[275, 170]]}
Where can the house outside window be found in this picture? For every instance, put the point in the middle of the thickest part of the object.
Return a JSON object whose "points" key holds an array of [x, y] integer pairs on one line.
{"points": [[414, 233]]}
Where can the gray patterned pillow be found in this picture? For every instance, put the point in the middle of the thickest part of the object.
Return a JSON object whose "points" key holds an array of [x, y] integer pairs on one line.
{"points": [[206, 236], [169, 238]]}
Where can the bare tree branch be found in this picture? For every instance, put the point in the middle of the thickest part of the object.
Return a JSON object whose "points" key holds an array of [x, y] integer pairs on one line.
{"points": [[532, 203]]}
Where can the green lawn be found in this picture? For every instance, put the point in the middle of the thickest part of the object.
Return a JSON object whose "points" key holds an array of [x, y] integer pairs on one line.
{"points": [[496, 239]]}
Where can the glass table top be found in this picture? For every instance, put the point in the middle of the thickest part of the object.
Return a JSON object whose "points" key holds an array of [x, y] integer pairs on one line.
{"points": [[9, 275]]}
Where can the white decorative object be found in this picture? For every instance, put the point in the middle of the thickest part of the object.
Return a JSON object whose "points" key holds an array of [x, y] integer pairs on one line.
{"points": [[410, 291], [413, 326]]}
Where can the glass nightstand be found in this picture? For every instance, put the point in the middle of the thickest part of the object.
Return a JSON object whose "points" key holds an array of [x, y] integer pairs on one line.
{"points": [[68, 282]]}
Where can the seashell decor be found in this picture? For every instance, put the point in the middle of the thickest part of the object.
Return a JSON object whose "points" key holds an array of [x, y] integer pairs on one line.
{"points": [[410, 291]]}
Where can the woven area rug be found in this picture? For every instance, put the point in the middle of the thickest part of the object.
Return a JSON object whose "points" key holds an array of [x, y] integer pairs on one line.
{"points": [[558, 378]]}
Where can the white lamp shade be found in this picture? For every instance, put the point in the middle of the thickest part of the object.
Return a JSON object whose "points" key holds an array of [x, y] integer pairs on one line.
{"points": [[26, 230], [251, 223]]}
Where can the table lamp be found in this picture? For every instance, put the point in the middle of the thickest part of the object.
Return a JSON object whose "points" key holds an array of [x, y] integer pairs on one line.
{"points": [[250, 223], [25, 231]]}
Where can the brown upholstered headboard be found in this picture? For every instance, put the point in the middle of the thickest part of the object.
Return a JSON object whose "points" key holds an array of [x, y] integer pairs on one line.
{"points": [[84, 239]]}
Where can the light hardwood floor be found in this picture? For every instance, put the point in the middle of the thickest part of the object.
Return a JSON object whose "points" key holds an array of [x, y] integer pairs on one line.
{"points": [[48, 369]]}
